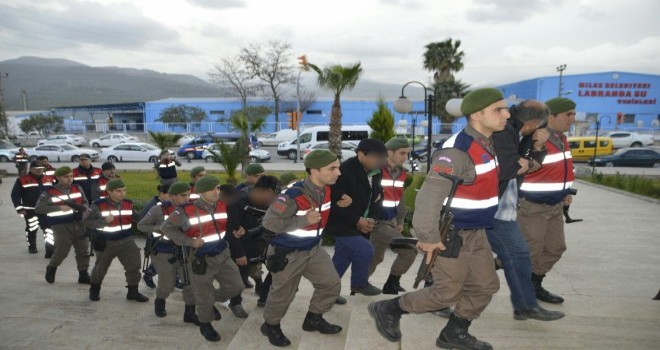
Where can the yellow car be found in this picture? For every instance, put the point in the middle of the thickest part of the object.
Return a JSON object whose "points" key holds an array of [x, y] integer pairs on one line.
{"points": [[583, 147]]}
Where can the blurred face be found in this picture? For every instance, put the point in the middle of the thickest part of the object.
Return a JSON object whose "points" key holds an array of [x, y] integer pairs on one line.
{"points": [[182, 198], [118, 194], [252, 179], [199, 176], [261, 196], [372, 161], [37, 171], [85, 162], [211, 196], [165, 156], [562, 122], [327, 175], [399, 156], [65, 180], [492, 118], [44, 161], [110, 173]]}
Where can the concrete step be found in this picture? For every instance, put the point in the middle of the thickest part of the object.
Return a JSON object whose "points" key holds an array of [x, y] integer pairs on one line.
{"points": [[339, 315]]}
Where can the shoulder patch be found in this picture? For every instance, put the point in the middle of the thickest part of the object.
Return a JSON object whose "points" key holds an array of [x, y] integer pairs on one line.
{"points": [[445, 159], [279, 206], [444, 168]]}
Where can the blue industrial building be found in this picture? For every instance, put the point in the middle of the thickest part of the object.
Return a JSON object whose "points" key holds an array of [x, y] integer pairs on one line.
{"points": [[630, 98]]}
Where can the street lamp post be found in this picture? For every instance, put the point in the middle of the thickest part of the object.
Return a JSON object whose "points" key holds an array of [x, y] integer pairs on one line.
{"points": [[561, 69], [593, 161], [404, 105]]}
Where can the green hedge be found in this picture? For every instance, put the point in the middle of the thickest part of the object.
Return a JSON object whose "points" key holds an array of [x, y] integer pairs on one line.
{"points": [[632, 183]]}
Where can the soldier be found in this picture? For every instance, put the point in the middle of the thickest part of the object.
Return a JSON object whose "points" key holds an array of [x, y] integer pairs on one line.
{"points": [[166, 168], [163, 196], [111, 219], [543, 195], [196, 173], [297, 218], [24, 196], [464, 273], [164, 252], [86, 175], [108, 173], [390, 223], [203, 225], [64, 204], [48, 168], [21, 159], [252, 174], [352, 225]]}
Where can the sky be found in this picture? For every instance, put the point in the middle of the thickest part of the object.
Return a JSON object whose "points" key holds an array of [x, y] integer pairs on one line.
{"points": [[503, 40]]}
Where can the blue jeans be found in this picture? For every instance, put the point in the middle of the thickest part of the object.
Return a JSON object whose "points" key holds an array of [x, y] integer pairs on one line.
{"points": [[507, 242], [357, 252]]}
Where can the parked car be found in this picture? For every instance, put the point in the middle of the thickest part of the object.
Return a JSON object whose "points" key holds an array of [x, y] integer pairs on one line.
{"points": [[256, 155], [63, 138], [60, 153], [633, 157], [347, 149], [316, 134], [7, 151], [274, 139], [112, 139], [131, 152], [583, 147], [185, 139], [195, 148], [623, 139]]}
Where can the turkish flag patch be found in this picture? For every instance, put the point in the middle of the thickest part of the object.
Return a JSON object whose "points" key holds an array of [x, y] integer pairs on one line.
{"points": [[279, 207], [444, 169]]}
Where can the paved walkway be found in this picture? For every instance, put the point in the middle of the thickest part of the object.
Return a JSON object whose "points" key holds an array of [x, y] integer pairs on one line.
{"points": [[608, 275]]}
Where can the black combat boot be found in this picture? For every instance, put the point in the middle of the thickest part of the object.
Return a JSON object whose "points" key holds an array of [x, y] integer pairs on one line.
{"points": [[95, 292], [159, 307], [455, 336], [83, 277], [315, 322], [216, 314], [341, 300], [50, 273], [275, 335], [368, 290], [657, 296], [537, 313], [189, 315], [148, 276], [258, 284], [32, 248], [209, 332], [134, 294], [387, 314], [49, 251], [542, 294], [393, 285]]}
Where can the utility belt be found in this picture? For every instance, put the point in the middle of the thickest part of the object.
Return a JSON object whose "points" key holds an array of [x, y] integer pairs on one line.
{"points": [[277, 261], [199, 263]]}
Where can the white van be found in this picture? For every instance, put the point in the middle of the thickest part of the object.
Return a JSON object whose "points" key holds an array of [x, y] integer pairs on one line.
{"points": [[321, 133], [276, 138]]}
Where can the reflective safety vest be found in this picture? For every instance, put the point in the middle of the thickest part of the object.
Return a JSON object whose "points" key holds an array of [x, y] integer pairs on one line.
{"points": [[309, 236], [167, 170], [21, 158], [193, 196], [474, 205], [551, 183], [121, 225], [392, 193], [102, 182], [209, 227], [58, 197], [79, 175], [32, 188], [164, 244], [50, 171]]}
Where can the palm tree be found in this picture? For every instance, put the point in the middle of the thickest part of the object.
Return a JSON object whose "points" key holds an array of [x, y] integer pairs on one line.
{"points": [[165, 140], [338, 79], [445, 91], [246, 122], [229, 157], [443, 58]]}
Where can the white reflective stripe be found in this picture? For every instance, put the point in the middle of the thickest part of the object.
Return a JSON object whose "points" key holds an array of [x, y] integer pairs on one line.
{"points": [[194, 196], [34, 218], [47, 184], [324, 207], [49, 241], [464, 203], [60, 213], [389, 204], [65, 197], [117, 228], [213, 238], [390, 183], [49, 172], [79, 178], [303, 233], [102, 187], [484, 168], [166, 165], [116, 212], [48, 232], [545, 187], [557, 157], [28, 208], [157, 235], [165, 217], [95, 177], [206, 218], [30, 185]]}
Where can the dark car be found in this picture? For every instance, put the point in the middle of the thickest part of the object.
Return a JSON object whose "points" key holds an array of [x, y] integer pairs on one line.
{"points": [[629, 157]]}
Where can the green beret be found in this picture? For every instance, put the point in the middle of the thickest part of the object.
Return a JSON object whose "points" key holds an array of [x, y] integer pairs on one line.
{"points": [[480, 99], [254, 169], [196, 170], [559, 105], [179, 187], [63, 170], [319, 158], [114, 184], [287, 178], [397, 142], [206, 183]]}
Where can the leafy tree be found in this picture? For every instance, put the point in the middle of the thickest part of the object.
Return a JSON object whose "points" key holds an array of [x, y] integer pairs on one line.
{"points": [[445, 58], [4, 130], [382, 122], [44, 124], [165, 140], [338, 79], [181, 115], [447, 90]]}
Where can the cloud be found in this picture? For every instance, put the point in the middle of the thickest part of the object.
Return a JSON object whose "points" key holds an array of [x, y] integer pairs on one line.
{"points": [[501, 11], [410, 4], [219, 4]]}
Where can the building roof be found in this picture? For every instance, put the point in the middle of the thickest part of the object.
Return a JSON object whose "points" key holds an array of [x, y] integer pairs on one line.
{"points": [[582, 75], [128, 106]]}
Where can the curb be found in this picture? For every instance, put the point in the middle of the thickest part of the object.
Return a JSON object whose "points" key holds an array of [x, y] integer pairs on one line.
{"points": [[622, 192]]}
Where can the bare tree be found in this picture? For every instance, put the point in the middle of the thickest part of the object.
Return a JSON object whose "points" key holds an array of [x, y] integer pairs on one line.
{"points": [[232, 73], [307, 98], [272, 65]]}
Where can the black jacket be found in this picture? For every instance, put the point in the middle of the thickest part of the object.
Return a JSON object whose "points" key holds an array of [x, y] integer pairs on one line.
{"points": [[255, 240], [509, 149], [354, 182]]}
